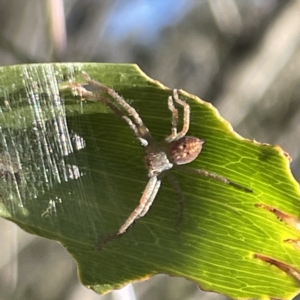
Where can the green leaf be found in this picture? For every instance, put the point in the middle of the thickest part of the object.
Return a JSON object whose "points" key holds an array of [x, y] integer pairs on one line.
{"points": [[73, 171]]}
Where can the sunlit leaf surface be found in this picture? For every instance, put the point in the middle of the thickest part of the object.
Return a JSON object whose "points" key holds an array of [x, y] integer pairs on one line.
{"points": [[72, 171]]}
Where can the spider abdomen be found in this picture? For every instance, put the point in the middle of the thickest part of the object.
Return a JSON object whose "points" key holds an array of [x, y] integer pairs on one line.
{"points": [[185, 150]]}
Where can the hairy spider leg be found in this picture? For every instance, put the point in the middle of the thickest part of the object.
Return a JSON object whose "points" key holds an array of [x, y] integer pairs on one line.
{"points": [[151, 199], [141, 129], [143, 141], [146, 200], [214, 176], [174, 112], [88, 95], [186, 118]]}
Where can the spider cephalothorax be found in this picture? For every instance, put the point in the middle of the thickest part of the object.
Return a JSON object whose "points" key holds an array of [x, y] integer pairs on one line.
{"points": [[176, 149]]}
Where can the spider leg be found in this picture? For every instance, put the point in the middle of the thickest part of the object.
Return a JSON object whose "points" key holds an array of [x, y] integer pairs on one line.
{"points": [[146, 200], [214, 176], [150, 200], [186, 117], [174, 112], [137, 126], [85, 94], [141, 129], [143, 141]]}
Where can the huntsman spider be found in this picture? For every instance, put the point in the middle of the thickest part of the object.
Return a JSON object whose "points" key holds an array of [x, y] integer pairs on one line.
{"points": [[176, 149]]}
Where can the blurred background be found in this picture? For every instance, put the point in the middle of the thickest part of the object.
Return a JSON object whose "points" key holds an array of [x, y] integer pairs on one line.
{"points": [[243, 56]]}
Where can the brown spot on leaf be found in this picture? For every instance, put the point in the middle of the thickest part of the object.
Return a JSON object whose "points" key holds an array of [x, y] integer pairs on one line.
{"points": [[288, 219], [280, 265], [294, 242]]}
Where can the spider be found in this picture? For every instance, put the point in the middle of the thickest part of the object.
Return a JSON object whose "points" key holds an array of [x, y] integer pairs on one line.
{"points": [[176, 149]]}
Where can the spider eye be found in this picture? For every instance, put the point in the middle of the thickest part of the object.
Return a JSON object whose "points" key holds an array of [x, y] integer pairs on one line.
{"points": [[185, 150]]}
